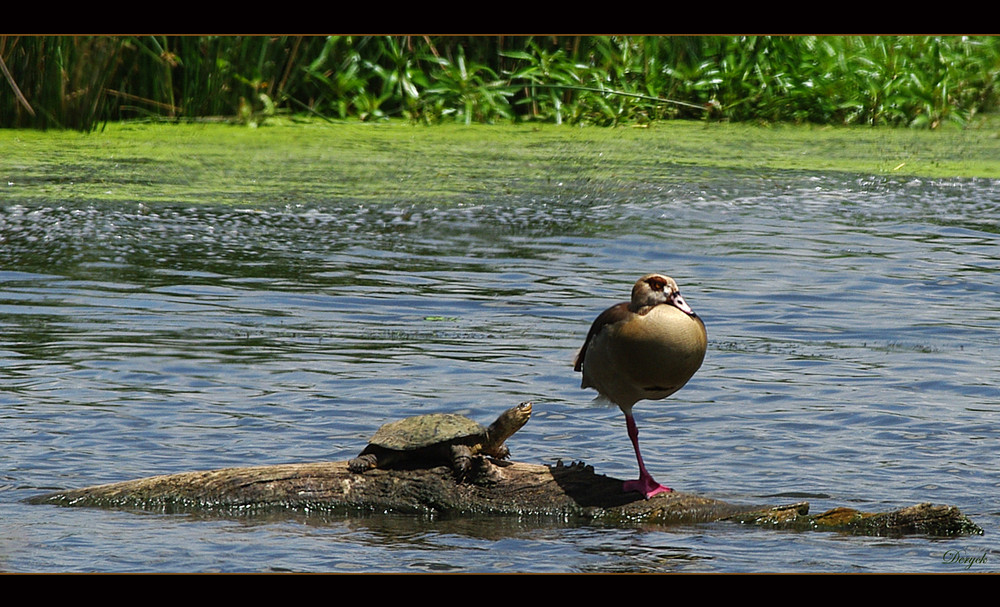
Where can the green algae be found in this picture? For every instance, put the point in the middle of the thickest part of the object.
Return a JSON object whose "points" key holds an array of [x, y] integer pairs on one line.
{"points": [[306, 161]]}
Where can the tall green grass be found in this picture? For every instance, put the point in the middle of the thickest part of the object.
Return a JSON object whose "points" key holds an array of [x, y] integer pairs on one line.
{"points": [[80, 82]]}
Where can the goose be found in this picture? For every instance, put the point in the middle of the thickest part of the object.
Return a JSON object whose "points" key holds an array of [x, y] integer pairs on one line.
{"points": [[647, 348]]}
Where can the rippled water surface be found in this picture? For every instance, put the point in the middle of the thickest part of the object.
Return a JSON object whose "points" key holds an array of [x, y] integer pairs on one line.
{"points": [[854, 327]]}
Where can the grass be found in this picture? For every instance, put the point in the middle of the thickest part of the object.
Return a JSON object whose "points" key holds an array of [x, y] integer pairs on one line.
{"points": [[83, 82]]}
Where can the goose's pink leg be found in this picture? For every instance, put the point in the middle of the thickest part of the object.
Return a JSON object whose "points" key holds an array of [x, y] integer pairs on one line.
{"points": [[645, 483]]}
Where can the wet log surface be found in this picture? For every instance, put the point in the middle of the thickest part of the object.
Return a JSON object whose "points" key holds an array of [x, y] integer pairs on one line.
{"points": [[572, 493]]}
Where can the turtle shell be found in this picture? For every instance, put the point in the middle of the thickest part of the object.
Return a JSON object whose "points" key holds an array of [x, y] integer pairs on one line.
{"points": [[426, 430]]}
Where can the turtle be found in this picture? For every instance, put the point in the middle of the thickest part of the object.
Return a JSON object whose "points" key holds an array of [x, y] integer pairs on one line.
{"points": [[440, 438]]}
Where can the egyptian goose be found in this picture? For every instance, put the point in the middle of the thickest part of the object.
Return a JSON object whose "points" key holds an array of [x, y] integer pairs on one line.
{"points": [[647, 348]]}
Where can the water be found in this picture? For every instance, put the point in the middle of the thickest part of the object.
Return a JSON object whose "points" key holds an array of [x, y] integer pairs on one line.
{"points": [[853, 357]]}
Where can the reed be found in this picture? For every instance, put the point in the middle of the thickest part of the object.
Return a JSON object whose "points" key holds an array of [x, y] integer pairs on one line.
{"points": [[81, 82]]}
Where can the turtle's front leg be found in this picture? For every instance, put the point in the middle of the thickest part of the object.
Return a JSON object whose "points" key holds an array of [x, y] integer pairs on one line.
{"points": [[461, 460], [502, 452], [364, 461]]}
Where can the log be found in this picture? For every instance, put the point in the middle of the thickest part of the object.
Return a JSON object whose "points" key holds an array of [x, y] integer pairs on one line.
{"points": [[573, 493]]}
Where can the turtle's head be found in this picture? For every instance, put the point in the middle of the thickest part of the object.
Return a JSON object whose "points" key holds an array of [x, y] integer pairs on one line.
{"points": [[509, 422], [521, 413]]}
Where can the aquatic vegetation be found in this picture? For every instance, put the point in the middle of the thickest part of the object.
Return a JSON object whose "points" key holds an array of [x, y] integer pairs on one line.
{"points": [[82, 82]]}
